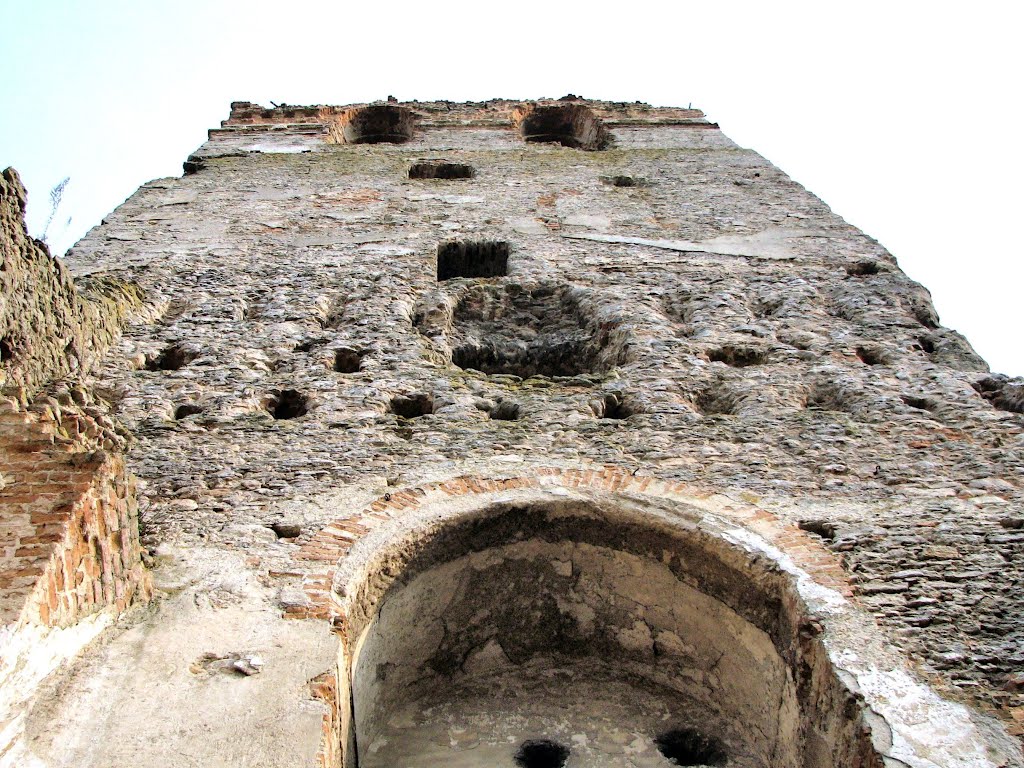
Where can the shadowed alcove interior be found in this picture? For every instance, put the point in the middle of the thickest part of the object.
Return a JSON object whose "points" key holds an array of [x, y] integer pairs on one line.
{"points": [[374, 124], [583, 633], [571, 125]]}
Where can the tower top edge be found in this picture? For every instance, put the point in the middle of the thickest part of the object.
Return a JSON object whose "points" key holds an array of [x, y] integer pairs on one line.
{"points": [[439, 113]]}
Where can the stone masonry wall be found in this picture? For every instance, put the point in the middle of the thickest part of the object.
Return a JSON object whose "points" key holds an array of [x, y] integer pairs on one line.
{"points": [[675, 307], [49, 325], [69, 539], [70, 533]]}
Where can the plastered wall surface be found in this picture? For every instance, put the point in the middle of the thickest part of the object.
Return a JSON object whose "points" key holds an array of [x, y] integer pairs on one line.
{"points": [[676, 311]]}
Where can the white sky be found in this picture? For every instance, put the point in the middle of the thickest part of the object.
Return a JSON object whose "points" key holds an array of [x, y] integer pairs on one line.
{"points": [[905, 117]]}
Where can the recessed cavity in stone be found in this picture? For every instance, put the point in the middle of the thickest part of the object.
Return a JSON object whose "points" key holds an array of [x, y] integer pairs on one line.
{"points": [[541, 753], [376, 124], [738, 356], [543, 331], [571, 125], [310, 344], [6, 349], [685, 746], [624, 181], [186, 410], [863, 269], [822, 528], [439, 170], [871, 355], [925, 313], [171, 358], [286, 530], [347, 360], [1002, 392], [716, 399], [827, 396], [921, 403], [288, 404], [505, 410], [551, 620], [412, 406], [479, 258], [612, 406]]}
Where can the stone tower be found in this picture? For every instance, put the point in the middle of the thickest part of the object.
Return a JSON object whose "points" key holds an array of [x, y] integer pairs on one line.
{"points": [[493, 434]]}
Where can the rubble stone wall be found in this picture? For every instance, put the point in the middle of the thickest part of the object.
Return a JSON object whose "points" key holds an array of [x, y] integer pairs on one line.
{"points": [[50, 326], [641, 298], [69, 535]]}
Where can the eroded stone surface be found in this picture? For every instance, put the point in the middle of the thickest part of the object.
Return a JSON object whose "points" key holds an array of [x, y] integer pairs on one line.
{"points": [[767, 350]]}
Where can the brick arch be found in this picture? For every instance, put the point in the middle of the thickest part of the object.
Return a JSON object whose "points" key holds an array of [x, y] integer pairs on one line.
{"points": [[317, 559], [904, 711]]}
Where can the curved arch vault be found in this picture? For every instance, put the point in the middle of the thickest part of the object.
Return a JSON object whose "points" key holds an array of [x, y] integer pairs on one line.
{"points": [[610, 628]]}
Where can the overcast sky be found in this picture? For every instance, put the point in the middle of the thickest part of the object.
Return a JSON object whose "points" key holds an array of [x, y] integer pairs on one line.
{"points": [[905, 117]]}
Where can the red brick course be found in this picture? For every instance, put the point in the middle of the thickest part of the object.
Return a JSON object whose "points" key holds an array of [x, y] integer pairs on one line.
{"points": [[69, 541], [319, 556]]}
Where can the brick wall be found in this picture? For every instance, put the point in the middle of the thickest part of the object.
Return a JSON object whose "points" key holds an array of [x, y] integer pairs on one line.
{"points": [[69, 542]]}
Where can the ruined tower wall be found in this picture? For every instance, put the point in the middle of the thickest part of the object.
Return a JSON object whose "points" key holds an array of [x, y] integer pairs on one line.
{"points": [[339, 350], [49, 326], [69, 538]]}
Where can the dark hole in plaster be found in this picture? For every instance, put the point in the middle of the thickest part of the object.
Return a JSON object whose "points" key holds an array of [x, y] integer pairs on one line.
{"points": [[506, 410], [737, 357], [186, 410], [441, 171], [171, 358], [871, 355], [926, 344], [485, 258], [412, 406], [378, 124], [6, 350], [571, 125], [286, 530], [612, 406], [541, 753], [822, 528], [863, 269], [348, 361], [288, 404], [689, 747]]}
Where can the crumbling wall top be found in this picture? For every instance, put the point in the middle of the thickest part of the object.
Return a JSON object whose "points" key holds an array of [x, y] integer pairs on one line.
{"points": [[471, 113]]}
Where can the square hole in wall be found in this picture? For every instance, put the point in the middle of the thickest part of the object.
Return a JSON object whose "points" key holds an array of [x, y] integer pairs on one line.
{"points": [[483, 258], [440, 170]]}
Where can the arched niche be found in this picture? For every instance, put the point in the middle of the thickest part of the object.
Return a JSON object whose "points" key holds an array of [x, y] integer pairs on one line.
{"points": [[375, 124], [620, 632], [571, 125]]}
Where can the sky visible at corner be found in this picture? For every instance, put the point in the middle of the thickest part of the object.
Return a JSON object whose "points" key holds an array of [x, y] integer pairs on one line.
{"points": [[905, 117]]}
